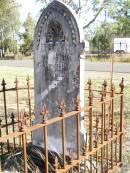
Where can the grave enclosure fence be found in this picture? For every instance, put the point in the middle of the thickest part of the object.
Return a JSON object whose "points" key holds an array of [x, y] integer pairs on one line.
{"points": [[9, 119], [102, 151]]}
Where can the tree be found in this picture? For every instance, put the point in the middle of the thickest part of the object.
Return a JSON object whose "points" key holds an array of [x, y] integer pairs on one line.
{"points": [[84, 9], [102, 40], [119, 13], [123, 18], [9, 22], [29, 26]]}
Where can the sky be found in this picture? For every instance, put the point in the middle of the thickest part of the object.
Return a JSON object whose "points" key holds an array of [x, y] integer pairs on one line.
{"points": [[29, 6]]}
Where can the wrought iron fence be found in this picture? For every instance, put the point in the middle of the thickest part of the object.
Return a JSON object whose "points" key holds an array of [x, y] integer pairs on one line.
{"points": [[102, 151], [9, 121]]}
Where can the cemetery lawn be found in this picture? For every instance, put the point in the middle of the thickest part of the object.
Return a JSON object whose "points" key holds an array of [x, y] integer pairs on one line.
{"points": [[10, 73]]}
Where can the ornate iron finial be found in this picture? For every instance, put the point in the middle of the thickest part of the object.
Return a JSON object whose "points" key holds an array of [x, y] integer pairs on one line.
{"points": [[3, 83], [71, 156], [44, 113], [56, 165], [12, 116], [0, 123], [37, 170], [77, 104], [105, 84], [16, 83], [122, 85], [89, 84], [102, 93], [22, 120], [62, 107], [90, 97]]}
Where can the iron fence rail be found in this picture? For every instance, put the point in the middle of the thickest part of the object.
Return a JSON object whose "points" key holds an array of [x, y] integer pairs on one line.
{"points": [[103, 145]]}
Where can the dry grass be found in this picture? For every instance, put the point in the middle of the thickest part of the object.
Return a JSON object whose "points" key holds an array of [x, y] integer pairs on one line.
{"points": [[120, 58], [10, 73]]}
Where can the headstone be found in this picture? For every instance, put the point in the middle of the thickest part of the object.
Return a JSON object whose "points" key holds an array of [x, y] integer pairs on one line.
{"points": [[57, 49]]}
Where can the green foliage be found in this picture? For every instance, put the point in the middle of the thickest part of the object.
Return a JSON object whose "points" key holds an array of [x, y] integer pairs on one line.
{"points": [[29, 25], [103, 37], [119, 25], [10, 45], [119, 11], [9, 23]]}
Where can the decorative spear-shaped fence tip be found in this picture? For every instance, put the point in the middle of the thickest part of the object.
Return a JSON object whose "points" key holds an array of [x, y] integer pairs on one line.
{"points": [[89, 84], [62, 107], [3, 83], [77, 104], [56, 165], [105, 83], [44, 113], [37, 170], [122, 85], [12, 117], [16, 82], [22, 120]]}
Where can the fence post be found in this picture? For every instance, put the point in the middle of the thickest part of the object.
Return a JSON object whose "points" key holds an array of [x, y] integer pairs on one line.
{"points": [[102, 126], [1, 145], [106, 134], [104, 94], [121, 116], [24, 141], [13, 128], [112, 121], [85, 153], [29, 101], [44, 114], [17, 96], [62, 112], [97, 141], [90, 97], [5, 110], [17, 101], [116, 133], [77, 108]]}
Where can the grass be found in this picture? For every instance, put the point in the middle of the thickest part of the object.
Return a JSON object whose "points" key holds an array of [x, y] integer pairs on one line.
{"points": [[118, 58], [10, 73]]}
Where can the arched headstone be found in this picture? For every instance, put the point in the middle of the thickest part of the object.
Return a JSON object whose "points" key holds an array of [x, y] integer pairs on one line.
{"points": [[57, 49]]}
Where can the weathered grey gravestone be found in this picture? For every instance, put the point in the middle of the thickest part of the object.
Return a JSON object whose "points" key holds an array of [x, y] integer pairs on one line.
{"points": [[57, 48]]}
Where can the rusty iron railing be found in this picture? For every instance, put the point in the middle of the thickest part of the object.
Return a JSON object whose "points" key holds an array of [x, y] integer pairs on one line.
{"points": [[9, 122], [102, 151]]}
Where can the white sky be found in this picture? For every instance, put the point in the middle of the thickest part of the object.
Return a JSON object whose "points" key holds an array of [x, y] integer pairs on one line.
{"points": [[29, 6]]}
